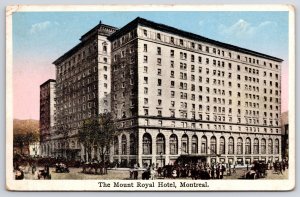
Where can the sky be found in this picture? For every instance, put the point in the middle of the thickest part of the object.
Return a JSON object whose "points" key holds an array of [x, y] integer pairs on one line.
{"points": [[39, 38]]}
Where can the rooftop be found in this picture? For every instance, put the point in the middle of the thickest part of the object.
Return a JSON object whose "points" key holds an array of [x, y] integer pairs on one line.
{"points": [[189, 35], [48, 81]]}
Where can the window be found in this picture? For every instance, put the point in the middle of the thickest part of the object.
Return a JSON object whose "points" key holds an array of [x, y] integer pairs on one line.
{"points": [[270, 146], [256, 146], [181, 42], [263, 146], [192, 58], [159, 61], [204, 145], [145, 80], [213, 145], [222, 145], [147, 144], [145, 90], [145, 32], [207, 49], [160, 144], [145, 101], [172, 53], [173, 145], [145, 48], [158, 36], [248, 146], [184, 144], [194, 144], [124, 145], [158, 71], [240, 146], [145, 59], [146, 112], [158, 51], [159, 92], [172, 40], [158, 82]]}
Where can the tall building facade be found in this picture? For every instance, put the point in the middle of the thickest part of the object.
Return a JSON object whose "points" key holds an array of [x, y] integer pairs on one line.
{"points": [[172, 93], [176, 93], [47, 110], [82, 90]]}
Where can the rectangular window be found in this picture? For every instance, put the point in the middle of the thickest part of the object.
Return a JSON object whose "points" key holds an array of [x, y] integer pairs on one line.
{"points": [[158, 51], [158, 82], [172, 53], [158, 71], [145, 80], [145, 59], [158, 36], [181, 42], [159, 61]]}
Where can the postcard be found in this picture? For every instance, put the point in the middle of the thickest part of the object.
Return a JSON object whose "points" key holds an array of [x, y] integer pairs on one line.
{"points": [[150, 98]]}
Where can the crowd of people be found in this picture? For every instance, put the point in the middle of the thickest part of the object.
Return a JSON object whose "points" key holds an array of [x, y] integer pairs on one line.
{"points": [[195, 171], [280, 167]]}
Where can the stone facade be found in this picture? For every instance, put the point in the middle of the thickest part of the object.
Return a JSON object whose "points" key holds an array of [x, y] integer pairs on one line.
{"points": [[47, 110], [82, 90], [171, 88], [172, 93]]}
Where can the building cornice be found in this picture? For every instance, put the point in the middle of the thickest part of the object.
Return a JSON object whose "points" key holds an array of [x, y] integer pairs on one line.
{"points": [[165, 28]]}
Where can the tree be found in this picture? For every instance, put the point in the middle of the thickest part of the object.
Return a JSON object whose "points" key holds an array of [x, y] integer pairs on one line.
{"points": [[24, 139], [63, 131], [98, 132], [87, 134], [106, 134]]}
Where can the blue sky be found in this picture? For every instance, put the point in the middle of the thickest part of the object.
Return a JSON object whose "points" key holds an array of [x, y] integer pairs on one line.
{"points": [[52, 33], [39, 38]]}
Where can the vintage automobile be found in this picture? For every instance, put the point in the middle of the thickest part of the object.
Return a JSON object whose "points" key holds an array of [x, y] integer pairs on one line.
{"points": [[19, 174], [44, 173], [61, 168], [258, 170]]}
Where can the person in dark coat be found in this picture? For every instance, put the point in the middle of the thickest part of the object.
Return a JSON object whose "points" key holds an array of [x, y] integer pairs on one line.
{"points": [[212, 172], [218, 171]]}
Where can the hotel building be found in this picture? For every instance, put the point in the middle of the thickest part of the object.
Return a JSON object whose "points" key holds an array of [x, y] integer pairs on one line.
{"points": [[172, 93], [177, 93], [82, 90]]}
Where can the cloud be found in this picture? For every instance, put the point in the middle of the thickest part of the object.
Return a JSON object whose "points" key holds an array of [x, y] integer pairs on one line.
{"points": [[37, 27], [244, 28], [201, 22]]}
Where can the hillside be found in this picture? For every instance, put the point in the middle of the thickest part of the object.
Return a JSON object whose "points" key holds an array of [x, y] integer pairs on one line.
{"points": [[25, 126]]}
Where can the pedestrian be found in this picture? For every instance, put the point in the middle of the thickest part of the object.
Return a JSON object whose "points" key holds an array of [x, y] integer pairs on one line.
{"points": [[283, 166], [212, 172], [280, 168], [218, 171]]}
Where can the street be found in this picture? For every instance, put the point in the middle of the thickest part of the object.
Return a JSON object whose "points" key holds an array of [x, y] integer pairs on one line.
{"points": [[123, 174]]}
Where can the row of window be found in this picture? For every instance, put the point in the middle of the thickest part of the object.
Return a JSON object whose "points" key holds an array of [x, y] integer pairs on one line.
{"points": [[262, 146], [208, 49], [249, 115]]}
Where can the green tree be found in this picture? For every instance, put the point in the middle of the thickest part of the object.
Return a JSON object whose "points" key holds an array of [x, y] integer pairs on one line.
{"points": [[22, 140], [105, 134], [98, 132], [87, 134]]}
